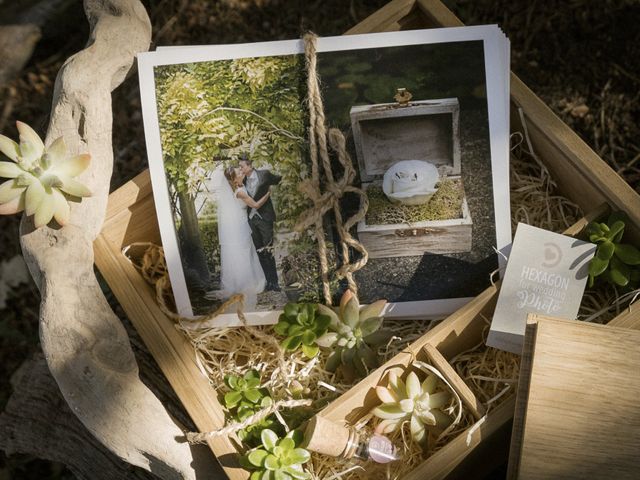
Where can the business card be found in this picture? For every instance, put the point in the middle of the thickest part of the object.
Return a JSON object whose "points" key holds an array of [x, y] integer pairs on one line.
{"points": [[546, 274]]}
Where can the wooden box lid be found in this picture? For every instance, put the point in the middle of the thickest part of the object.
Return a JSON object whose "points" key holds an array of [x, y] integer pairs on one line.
{"points": [[577, 413], [387, 133]]}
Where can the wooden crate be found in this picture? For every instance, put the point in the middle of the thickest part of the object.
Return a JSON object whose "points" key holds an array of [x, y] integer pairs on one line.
{"points": [[426, 130], [581, 174]]}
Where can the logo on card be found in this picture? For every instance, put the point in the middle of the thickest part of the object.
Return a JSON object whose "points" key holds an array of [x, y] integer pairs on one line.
{"points": [[552, 255]]}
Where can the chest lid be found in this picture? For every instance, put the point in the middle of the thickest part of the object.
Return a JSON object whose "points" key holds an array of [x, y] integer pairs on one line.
{"points": [[387, 133]]}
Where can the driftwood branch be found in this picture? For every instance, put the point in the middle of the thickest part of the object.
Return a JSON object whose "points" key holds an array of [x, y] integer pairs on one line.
{"points": [[85, 345]]}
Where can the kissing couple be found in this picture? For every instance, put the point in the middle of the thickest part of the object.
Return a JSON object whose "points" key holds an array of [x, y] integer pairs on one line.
{"points": [[245, 231]]}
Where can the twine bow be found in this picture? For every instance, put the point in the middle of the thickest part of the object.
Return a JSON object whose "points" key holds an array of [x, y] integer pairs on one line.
{"points": [[323, 202]]}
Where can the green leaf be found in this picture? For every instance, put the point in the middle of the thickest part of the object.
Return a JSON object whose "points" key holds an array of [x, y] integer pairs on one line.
{"points": [[333, 362], [605, 250], [231, 381], [594, 229], [292, 343], [287, 443], [253, 395], [231, 399], [378, 338], [299, 455], [251, 377], [351, 313], [281, 475], [281, 328], [308, 337], [616, 229], [322, 323], [269, 439], [257, 457], [271, 462], [302, 316], [297, 472], [257, 475], [628, 254], [368, 356], [329, 312], [347, 355], [620, 273], [597, 266], [296, 329], [310, 351], [389, 411], [370, 325]]}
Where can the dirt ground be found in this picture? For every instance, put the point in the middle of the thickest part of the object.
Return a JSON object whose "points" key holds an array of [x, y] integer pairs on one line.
{"points": [[580, 56]]}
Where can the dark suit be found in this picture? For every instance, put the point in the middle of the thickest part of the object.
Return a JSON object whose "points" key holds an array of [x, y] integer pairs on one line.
{"points": [[261, 224]]}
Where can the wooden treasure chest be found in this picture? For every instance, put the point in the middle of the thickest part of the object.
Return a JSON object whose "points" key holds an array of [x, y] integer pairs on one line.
{"points": [[423, 131]]}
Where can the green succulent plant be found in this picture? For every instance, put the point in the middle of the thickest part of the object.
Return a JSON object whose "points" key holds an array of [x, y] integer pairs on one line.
{"points": [[245, 389], [245, 398], [277, 458], [614, 261], [41, 180], [354, 334], [415, 402], [302, 324]]}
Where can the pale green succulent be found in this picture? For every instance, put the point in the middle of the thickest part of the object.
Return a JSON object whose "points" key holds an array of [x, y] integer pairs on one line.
{"points": [[354, 335], [41, 179], [277, 459], [414, 402]]}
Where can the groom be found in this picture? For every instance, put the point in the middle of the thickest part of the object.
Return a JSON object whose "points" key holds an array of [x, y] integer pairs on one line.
{"points": [[261, 220]]}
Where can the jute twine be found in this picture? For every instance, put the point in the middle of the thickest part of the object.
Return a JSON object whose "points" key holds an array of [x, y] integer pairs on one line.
{"points": [[334, 189]]}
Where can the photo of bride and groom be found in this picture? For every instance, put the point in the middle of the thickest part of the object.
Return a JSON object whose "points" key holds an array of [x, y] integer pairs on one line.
{"points": [[246, 218]]}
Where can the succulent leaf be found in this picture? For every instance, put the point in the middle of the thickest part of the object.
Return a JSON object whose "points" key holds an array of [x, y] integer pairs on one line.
{"points": [[28, 135], [352, 333], [257, 457], [372, 310], [9, 170], [47, 173], [9, 191], [277, 458], [12, 206], [10, 148], [628, 254], [412, 402]]}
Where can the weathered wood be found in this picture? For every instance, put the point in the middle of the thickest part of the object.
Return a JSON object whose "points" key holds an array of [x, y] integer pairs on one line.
{"points": [[466, 395], [38, 421], [426, 130], [435, 236], [577, 414], [86, 346]]}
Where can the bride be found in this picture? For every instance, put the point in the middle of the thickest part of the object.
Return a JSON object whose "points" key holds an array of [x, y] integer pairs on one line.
{"points": [[241, 271]]}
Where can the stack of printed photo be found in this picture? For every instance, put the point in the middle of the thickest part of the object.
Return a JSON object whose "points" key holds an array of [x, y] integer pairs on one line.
{"points": [[425, 115]]}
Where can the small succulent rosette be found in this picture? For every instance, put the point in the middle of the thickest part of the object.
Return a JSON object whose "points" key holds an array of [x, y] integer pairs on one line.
{"points": [[41, 180], [418, 403]]}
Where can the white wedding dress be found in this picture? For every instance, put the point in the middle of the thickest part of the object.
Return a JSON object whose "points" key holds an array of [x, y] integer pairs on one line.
{"points": [[240, 267]]}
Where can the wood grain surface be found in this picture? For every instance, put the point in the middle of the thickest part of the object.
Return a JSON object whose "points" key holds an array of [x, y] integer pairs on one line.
{"points": [[577, 413]]}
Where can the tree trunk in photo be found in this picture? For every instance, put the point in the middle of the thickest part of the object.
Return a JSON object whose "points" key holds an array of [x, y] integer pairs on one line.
{"points": [[197, 273]]}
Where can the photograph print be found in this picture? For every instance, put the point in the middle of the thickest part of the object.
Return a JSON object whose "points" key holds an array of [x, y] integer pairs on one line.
{"points": [[232, 138], [423, 114]]}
